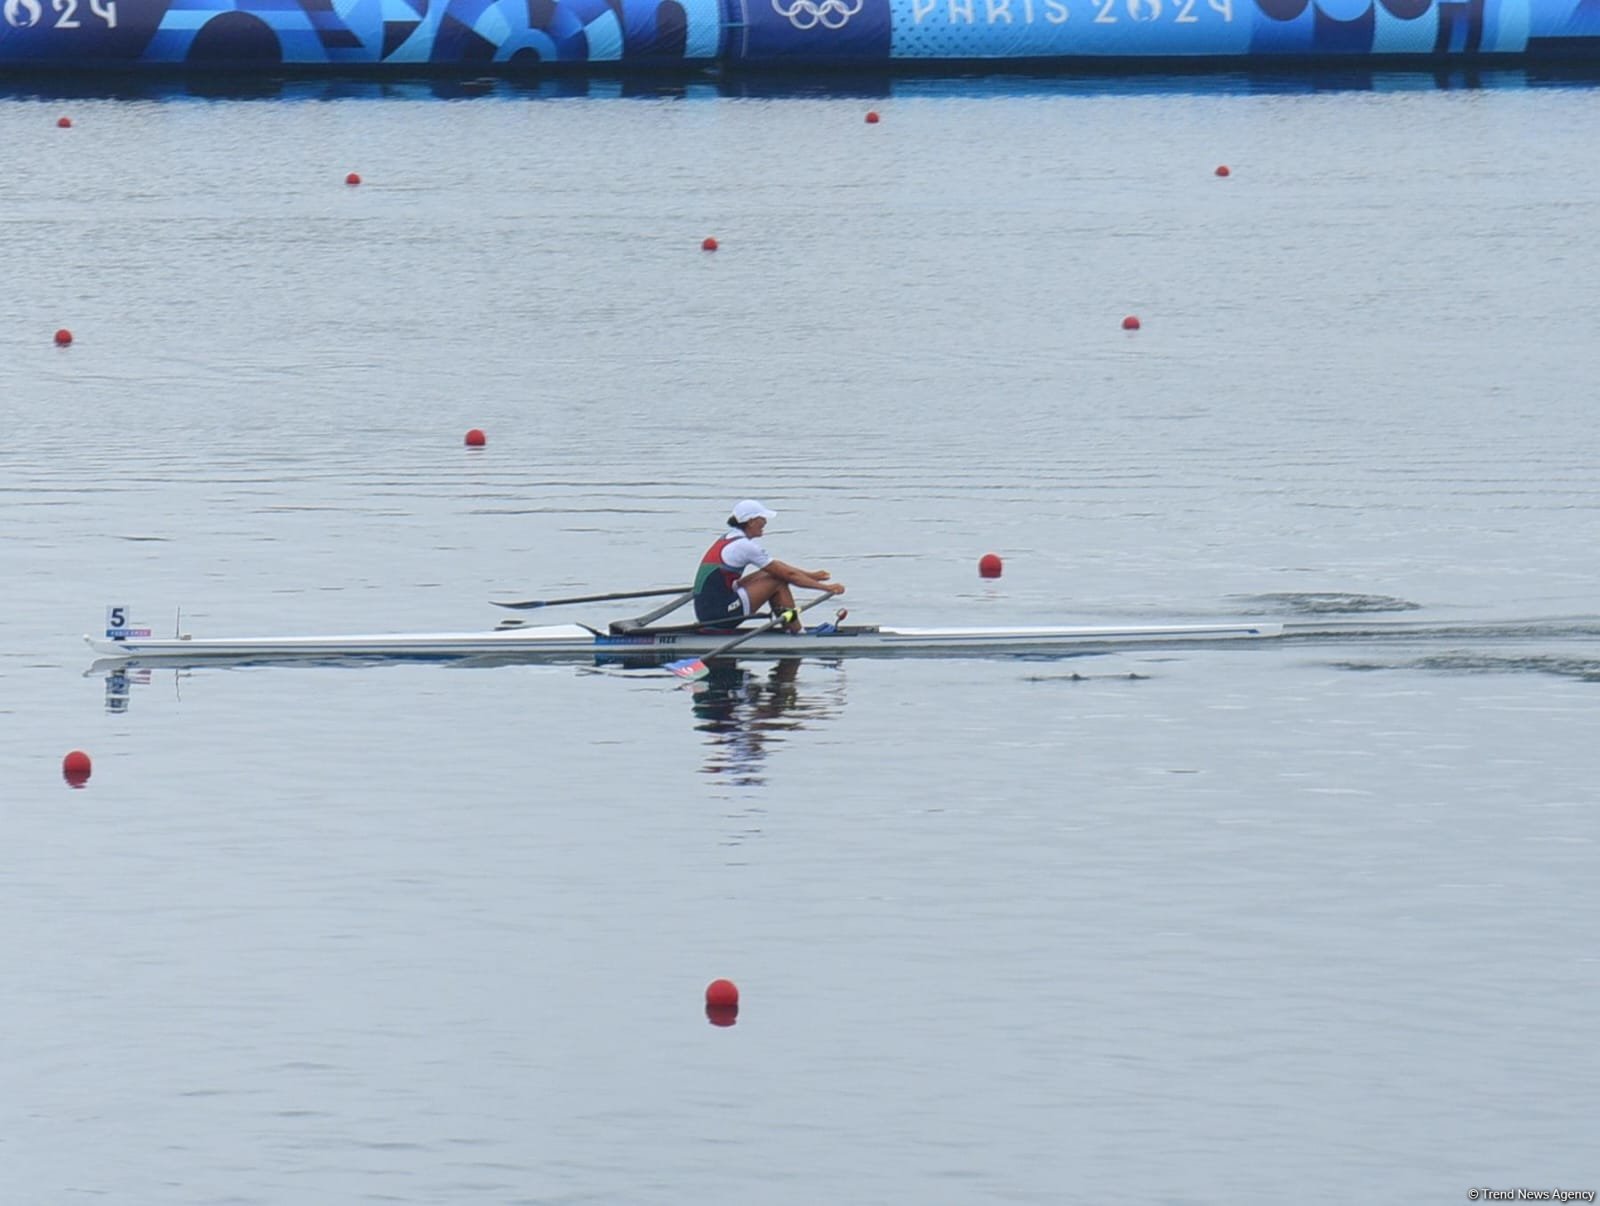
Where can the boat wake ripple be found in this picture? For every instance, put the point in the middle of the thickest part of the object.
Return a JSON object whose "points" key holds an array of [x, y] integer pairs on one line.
{"points": [[1323, 603], [1554, 630], [1583, 669]]}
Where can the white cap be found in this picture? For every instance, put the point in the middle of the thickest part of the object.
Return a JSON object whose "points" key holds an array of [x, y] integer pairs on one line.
{"points": [[748, 508]]}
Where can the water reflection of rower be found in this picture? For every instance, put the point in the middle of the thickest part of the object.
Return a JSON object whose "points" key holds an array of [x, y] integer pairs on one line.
{"points": [[741, 710]]}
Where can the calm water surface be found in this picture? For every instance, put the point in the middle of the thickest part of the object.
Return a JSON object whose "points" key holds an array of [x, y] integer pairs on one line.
{"points": [[1310, 922]]}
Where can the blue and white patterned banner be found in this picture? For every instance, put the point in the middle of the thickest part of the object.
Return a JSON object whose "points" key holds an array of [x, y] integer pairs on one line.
{"points": [[488, 35]]}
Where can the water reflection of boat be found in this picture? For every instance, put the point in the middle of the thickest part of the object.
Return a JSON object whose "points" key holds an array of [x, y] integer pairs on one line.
{"points": [[120, 679], [743, 712]]}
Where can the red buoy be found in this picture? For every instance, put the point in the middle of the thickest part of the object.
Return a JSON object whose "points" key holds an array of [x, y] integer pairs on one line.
{"points": [[722, 1002], [708, 244], [989, 565], [353, 178], [1222, 170], [75, 768], [63, 123], [872, 117], [63, 337], [476, 438], [1131, 323]]}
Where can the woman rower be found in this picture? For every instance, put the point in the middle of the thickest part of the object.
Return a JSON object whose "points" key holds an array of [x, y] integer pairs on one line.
{"points": [[737, 576]]}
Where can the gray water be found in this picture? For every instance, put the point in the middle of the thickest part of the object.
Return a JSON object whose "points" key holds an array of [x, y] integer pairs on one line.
{"points": [[1302, 922]]}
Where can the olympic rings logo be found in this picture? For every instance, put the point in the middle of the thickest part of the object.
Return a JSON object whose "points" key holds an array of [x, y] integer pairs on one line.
{"points": [[808, 14]]}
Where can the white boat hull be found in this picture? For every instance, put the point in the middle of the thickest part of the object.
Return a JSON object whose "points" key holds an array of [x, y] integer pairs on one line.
{"points": [[566, 641]]}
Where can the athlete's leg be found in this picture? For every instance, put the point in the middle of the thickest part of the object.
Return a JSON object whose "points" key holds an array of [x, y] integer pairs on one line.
{"points": [[762, 588]]}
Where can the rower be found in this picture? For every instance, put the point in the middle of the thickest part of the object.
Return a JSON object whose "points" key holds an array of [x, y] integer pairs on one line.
{"points": [[737, 576]]}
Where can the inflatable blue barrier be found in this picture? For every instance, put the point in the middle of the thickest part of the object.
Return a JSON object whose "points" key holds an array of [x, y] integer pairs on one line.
{"points": [[485, 37]]}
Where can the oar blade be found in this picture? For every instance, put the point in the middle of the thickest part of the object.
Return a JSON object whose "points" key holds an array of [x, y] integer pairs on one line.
{"points": [[689, 668]]}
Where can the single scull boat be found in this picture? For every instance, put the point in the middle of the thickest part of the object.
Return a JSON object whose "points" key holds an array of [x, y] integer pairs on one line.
{"points": [[515, 641]]}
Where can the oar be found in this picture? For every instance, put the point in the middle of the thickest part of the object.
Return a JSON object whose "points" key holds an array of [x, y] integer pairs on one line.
{"points": [[695, 667], [650, 617], [525, 604]]}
